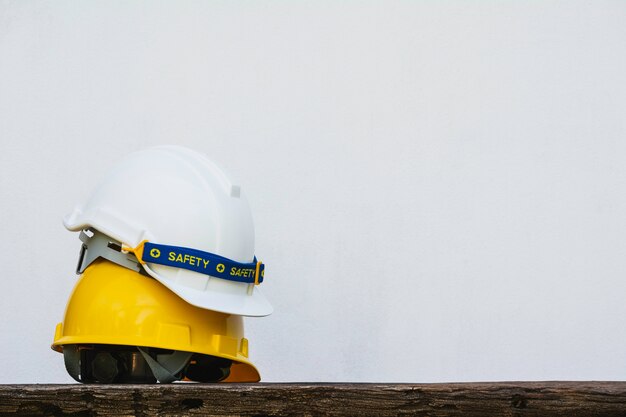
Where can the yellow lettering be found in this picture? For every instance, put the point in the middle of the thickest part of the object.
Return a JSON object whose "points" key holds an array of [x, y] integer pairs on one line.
{"points": [[241, 272], [187, 259]]}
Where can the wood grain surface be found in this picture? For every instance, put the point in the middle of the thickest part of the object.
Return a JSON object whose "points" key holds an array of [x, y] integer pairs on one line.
{"points": [[467, 399]]}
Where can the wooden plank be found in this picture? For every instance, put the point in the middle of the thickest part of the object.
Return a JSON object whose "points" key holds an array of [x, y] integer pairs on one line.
{"points": [[570, 399]]}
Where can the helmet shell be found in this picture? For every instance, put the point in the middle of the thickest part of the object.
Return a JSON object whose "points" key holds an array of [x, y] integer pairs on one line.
{"points": [[175, 196], [112, 305]]}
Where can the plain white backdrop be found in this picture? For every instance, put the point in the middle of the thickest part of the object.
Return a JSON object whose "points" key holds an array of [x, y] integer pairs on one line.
{"points": [[438, 187]]}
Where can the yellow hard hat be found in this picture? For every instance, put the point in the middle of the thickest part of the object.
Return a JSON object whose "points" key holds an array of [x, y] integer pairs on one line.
{"points": [[122, 326]]}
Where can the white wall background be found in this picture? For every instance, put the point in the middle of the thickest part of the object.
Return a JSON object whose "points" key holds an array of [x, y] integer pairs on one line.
{"points": [[438, 187]]}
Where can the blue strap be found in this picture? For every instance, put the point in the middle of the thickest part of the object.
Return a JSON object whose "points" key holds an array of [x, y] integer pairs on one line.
{"points": [[203, 262]]}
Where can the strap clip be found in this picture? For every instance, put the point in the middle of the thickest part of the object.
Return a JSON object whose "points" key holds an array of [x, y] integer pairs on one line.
{"points": [[138, 251], [257, 273]]}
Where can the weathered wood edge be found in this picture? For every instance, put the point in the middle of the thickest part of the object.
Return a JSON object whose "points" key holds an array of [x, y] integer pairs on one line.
{"points": [[556, 398]]}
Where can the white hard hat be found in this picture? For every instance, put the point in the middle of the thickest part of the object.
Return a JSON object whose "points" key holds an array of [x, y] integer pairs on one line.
{"points": [[195, 225]]}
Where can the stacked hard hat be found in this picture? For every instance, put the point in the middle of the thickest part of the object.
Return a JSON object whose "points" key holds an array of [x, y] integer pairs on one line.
{"points": [[167, 270]]}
